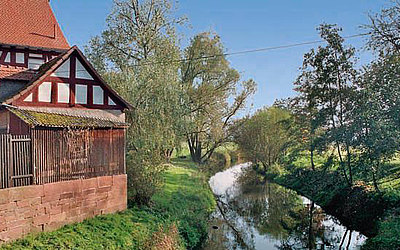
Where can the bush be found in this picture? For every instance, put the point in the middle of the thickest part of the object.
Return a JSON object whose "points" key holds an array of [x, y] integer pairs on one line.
{"points": [[145, 177], [274, 171], [388, 236], [392, 197], [220, 158], [236, 156]]}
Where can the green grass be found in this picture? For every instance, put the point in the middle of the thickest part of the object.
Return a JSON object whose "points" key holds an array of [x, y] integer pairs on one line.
{"points": [[131, 229], [184, 203], [390, 178], [187, 204]]}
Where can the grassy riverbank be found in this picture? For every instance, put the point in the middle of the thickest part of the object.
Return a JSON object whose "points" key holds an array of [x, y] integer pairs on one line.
{"points": [[176, 220], [359, 207]]}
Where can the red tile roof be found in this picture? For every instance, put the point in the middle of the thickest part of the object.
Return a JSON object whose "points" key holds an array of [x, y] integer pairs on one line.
{"points": [[30, 23], [16, 73]]}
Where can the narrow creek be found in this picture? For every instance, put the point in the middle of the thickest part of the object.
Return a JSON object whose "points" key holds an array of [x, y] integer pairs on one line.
{"points": [[255, 215]]}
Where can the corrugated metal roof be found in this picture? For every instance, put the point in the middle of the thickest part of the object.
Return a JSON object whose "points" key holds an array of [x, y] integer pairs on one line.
{"points": [[110, 115], [42, 119]]}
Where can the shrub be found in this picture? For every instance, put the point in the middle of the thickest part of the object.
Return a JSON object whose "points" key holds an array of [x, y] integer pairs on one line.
{"points": [[391, 197], [165, 238], [274, 171], [220, 158], [388, 236], [145, 177]]}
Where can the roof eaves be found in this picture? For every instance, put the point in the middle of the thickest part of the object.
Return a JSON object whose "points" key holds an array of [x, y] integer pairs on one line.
{"points": [[20, 46]]}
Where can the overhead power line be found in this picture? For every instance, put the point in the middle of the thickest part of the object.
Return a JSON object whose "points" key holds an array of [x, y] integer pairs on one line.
{"points": [[242, 52], [247, 51]]}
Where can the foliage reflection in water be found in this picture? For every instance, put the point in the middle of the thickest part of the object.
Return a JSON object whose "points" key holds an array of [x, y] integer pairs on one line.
{"points": [[255, 214]]}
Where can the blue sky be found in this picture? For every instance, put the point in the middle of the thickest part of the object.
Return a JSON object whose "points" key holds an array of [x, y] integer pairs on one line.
{"points": [[243, 25]]}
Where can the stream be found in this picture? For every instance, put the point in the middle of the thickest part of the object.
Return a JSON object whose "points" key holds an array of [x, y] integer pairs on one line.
{"points": [[255, 215]]}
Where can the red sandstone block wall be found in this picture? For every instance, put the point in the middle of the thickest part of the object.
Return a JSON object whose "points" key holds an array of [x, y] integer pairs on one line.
{"points": [[47, 207]]}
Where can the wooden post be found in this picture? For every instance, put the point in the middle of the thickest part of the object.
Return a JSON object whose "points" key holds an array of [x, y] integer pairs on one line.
{"points": [[32, 158], [10, 161]]}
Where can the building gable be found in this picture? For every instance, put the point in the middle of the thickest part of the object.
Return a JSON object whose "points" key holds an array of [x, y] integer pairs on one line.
{"points": [[69, 81]]}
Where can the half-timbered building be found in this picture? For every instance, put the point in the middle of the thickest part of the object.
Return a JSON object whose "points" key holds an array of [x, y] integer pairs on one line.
{"points": [[59, 120]]}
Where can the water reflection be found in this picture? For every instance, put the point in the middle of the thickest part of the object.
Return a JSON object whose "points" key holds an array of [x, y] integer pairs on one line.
{"points": [[255, 214]]}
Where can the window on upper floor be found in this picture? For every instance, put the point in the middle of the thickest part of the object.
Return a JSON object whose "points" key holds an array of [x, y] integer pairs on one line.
{"points": [[81, 94], [63, 92], [98, 95], [81, 72], [8, 57], [63, 70], [29, 98], [111, 102], [20, 58], [35, 63], [45, 92]]}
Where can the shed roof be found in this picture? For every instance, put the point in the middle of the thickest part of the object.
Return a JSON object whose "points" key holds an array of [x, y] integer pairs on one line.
{"points": [[30, 23], [43, 119]]}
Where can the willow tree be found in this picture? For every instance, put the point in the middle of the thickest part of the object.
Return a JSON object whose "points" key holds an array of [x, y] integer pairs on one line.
{"points": [[264, 137], [213, 98], [138, 55]]}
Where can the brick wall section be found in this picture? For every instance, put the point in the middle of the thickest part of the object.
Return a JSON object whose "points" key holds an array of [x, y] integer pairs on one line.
{"points": [[33, 209]]}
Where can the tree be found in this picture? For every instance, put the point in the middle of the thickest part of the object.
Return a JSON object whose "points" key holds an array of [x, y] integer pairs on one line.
{"points": [[136, 31], [376, 123], [139, 56], [263, 137], [210, 83], [325, 87], [385, 30], [304, 108]]}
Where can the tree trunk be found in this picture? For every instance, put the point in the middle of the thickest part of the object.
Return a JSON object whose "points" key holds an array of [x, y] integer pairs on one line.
{"points": [[349, 241], [168, 154], [195, 148], [265, 166], [342, 164], [312, 158], [375, 181], [349, 163]]}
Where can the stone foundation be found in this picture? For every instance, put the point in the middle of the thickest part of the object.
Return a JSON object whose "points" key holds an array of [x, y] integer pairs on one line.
{"points": [[39, 208]]}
